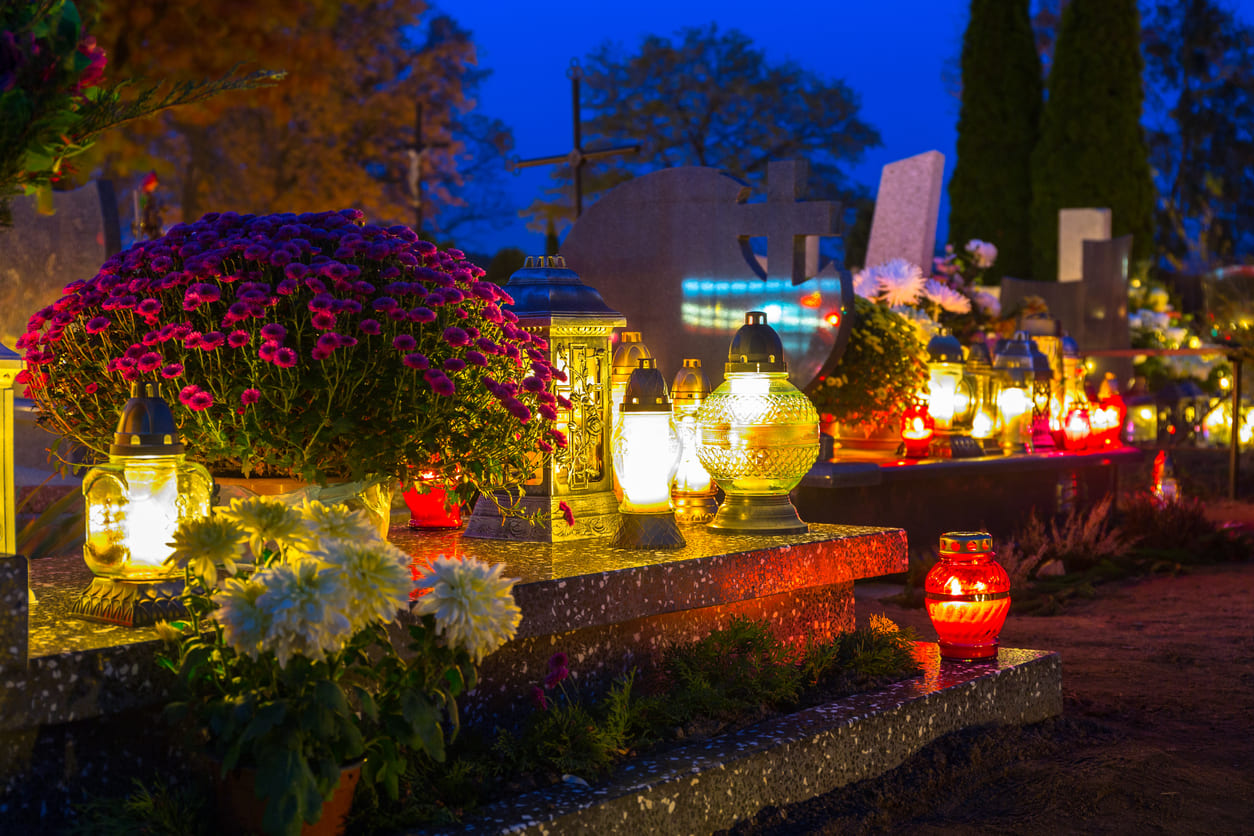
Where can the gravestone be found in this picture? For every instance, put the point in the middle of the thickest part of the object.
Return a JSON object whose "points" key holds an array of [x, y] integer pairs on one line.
{"points": [[1075, 226], [671, 251], [907, 206], [41, 254], [1106, 303]]}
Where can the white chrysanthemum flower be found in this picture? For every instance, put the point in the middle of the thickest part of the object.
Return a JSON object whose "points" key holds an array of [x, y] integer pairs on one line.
{"points": [[336, 522], [307, 610], [472, 604], [865, 284], [374, 575], [205, 542], [244, 622], [949, 299], [269, 524], [987, 302], [983, 252], [900, 281]]}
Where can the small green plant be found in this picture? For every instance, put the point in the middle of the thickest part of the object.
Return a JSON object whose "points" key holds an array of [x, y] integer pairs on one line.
{"points": [[153, 809], [1084, 539]]}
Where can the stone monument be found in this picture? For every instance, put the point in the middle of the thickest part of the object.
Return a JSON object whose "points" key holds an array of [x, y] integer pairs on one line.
{"points": [[1075, 226], [907, 206], [671, 251], [41, 254]]}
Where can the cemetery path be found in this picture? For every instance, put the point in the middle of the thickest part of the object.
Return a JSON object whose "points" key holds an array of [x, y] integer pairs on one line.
{"points": [[1157, 734]]}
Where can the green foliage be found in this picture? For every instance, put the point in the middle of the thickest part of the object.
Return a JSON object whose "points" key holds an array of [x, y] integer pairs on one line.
{"points": [[865, 654], [506, 262], [1092, 149], [55, 529], [1200, 68], [711, 98], [152, 809], [878, 375], [990, 192]]}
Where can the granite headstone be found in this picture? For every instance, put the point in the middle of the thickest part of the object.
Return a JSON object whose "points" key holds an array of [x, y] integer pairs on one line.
{"points": [[671, 251], [41, 254], [906, 209], [1075, 226]]}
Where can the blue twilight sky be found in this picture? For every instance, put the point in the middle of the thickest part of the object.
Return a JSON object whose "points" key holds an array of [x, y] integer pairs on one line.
{"points": [[890, 52]]}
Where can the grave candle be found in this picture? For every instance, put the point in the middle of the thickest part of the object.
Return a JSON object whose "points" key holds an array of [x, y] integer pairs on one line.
{"points": [[693, 492], [134, 504], [968, 596], [646, 455], [433, 507], [917, 429]]}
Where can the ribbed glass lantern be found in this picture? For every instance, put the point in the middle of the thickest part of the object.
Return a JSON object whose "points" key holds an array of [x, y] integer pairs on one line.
{"points": [[757, 435], [983, 385], [646, 455], [968, 596], [134, 504], [948, 398], [693, 491], [1015, 370]]}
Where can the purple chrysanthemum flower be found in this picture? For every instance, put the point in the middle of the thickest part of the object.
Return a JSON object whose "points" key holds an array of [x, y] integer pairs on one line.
{"points": [[440, 383], [517, 408], [414, 360], [273, 331], [456, 337], [533, 384], [422, 315], [211, 341], [90, 388], [287, 287], [323, 320], [474, 358], [268, 351], [134, 352], [321, 302], [454, 364], [238, 339], [285, 357], [384, 303], [328, 342], [547, 412], [404, 342], [370, 326], [200, 401], [250, 396], [97, 324], [171, 370], [148, 308], [149, 362], [319, 353]]}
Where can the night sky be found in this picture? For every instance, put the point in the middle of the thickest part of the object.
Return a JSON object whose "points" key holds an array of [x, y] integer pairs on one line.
{"points": [[890, 52]]}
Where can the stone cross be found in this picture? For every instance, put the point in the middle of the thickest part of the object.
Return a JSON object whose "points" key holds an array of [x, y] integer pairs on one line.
{"points": [[577, 158], [787, 221], [907, 206]]}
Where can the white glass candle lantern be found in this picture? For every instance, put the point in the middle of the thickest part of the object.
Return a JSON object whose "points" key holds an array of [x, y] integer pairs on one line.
{"points": [[1014, 365], [757, 435], [949, 398], [646, 455], [693, 491], [134, 504]]}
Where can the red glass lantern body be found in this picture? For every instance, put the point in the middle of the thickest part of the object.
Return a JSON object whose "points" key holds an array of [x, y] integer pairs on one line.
{"points": [[917, 429], [968, 596], [432, 509], [1077, 431]]}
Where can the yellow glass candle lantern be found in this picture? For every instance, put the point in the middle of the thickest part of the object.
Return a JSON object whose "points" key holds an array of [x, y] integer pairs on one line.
{"points": [[757, 435], [646, 455], [1014, 367], [983, 386], [551, 301], [626, 358], [949, 399], [693, 491], [134, 504]]}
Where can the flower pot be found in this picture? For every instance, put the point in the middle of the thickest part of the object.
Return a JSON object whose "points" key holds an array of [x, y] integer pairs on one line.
{"points": [[375, 499], [883, 439], [241, 811]]}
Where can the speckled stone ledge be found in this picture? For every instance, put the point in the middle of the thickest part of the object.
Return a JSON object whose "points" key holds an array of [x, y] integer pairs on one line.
{"points": [[588, 583], [712, 785]]}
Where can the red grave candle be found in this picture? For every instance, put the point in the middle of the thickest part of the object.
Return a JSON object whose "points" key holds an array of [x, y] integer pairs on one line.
{"points": [[434, 508], [917, 429], [968, 596]]}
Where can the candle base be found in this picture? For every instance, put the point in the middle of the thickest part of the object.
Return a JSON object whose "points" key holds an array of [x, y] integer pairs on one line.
{"points": [[956, 652], [770, 515], [648, 531], [130, 603]]}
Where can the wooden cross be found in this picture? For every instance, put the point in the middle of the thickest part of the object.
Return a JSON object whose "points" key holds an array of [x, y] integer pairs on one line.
{"points": [[787, 221], [577, 158], [416, 152]]}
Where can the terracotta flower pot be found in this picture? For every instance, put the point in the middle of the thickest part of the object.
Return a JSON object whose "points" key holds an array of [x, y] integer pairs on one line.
{"points": [[240, 811]]}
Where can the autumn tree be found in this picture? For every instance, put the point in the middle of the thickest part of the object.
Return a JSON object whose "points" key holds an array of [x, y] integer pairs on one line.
{"points": [[709, 98], [336, 133], [1092, 149], [991, 189], [1200, 68]]}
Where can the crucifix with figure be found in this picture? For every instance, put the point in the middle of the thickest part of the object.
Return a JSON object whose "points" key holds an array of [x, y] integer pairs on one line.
{"points": [[417, 151], [577, 158]]}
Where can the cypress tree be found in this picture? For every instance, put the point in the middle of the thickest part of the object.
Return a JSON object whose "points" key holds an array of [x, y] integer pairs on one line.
{"points": [[990, 192], [1092, 150]]}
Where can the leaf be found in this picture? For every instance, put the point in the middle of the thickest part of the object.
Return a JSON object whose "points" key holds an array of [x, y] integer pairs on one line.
{"points": [[266, 718]]}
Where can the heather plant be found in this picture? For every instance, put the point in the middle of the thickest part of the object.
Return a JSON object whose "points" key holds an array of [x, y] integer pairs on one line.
{"points": [[1080, 541], [313, 346]]}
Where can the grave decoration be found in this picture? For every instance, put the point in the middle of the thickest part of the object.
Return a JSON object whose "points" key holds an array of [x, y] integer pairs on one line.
{"points": [[627, 356], [430, 503], [314, 347], [968, 596], [1108, 414], [134, 504], [949, 399], [917, 429], [300, 599], [10, 368], [646, 456], [1014, 367], [569, 494], [757, 434], [982, 383], [1077, 429], [693, 492]]}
